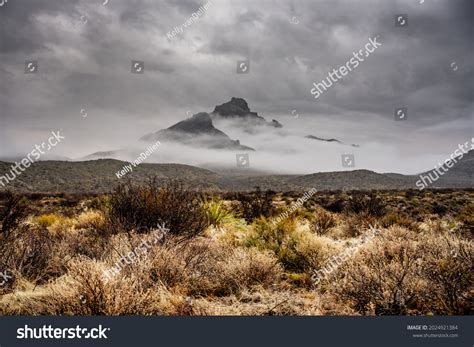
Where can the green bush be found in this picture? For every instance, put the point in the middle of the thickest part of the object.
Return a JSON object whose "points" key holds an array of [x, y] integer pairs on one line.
{"points": [[216, 212]]}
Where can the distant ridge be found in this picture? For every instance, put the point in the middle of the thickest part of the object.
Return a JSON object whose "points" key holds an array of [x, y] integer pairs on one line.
{"points": [[98, 176]]}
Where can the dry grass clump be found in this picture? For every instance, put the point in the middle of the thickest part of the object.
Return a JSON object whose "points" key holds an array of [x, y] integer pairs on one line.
{"points": [[402, 272], [46, 220], [92, 219], [58, 225], [62, 227], [316, 250]]}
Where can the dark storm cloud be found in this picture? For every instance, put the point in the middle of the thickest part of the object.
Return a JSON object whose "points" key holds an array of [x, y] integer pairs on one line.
{"points": [[85, 49], [17, 32]]}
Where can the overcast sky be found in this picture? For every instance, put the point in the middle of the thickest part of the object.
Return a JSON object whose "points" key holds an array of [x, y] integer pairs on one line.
{"points": [[84, 51]]}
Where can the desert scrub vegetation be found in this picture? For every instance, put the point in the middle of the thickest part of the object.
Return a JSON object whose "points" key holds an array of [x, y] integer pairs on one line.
{"points": [[405, 272], [420, 262]]}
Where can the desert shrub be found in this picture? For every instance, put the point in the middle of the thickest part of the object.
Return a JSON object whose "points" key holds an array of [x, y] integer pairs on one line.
{"points": [[410, 193], [224, 270], [12, 213], [399, 219], [164, 265], [448, 264], [256, 204], [69, 200], [336, 206], [316, 252], [28, 252], [252, 267], [280, 238], [284, 240], [83, 242], [101, 203], [402, 272], [355, 224], [439, 209], [142, 208], [322, 222], [217, 213], [370, 205], [466, 217], [382, 277]]}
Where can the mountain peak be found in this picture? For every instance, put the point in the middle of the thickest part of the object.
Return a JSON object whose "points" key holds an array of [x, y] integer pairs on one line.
{"points": [[234, 107], [198, 123], [238, 108], [198, 131]]}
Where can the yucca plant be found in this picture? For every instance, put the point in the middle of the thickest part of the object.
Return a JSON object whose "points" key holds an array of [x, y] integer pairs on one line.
{"points": [[217, 213]]}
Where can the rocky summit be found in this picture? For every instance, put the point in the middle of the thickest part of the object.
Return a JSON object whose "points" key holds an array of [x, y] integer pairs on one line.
{"points": [[238, 108], [197, 131]]}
